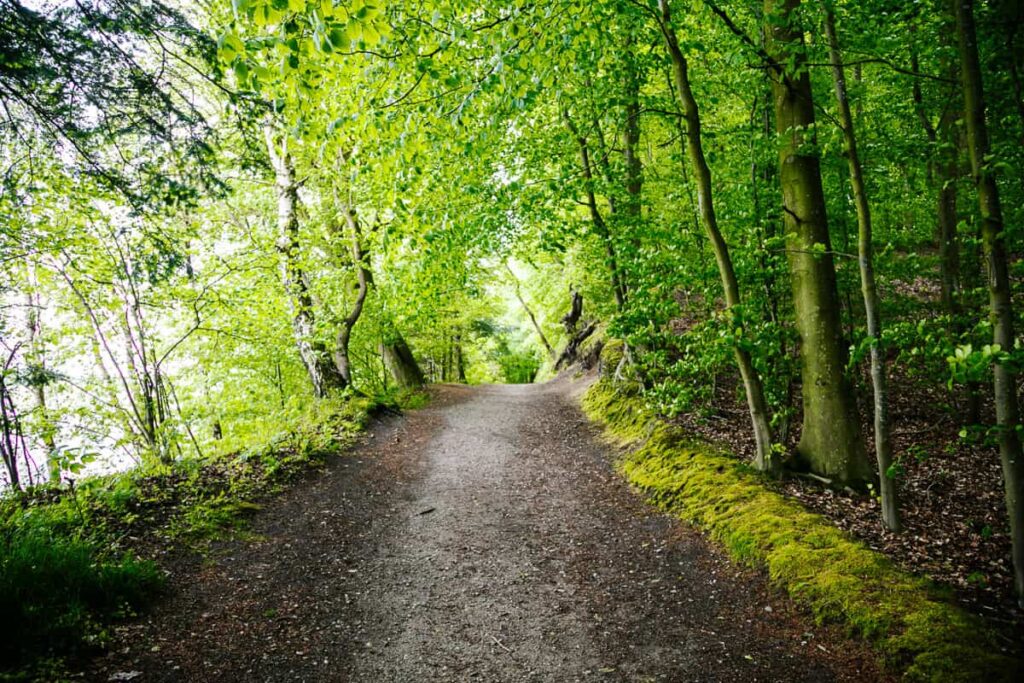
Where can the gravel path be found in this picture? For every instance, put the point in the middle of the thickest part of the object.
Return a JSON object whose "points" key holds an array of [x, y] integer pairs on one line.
{"points": [[485, 538]]}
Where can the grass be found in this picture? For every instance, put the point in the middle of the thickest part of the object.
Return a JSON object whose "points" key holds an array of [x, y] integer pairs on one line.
{"points": [[57, 592], [911, 622]]}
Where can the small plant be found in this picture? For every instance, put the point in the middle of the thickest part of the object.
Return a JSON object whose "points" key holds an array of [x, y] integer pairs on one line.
{"points": [[55, 591]]}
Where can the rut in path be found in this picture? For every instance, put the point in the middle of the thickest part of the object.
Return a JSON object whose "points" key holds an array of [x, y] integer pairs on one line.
{"points": [[485, 538]]}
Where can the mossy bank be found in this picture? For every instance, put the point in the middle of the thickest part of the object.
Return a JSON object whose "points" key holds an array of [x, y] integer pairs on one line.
{"points": [[913, 625]]}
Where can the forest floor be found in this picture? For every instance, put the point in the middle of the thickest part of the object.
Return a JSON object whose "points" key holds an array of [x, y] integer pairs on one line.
{"points": [[952, 503], [486, 537]]}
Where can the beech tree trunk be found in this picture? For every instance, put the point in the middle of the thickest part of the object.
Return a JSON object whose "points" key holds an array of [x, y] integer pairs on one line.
{"points": [[363, 281], [702, 175], [1000, 302], [831, 444], [323, 374], [401, 363], [597, 220], [529, 313], [865, 258]]}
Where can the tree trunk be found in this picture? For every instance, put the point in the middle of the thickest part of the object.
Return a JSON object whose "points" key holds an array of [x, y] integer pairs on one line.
{"points": [[460, 361], [401, 363], [529, 312], [865, 257], [702, 175], [323, 374], [363, 281], [597, 220], [831, 443], [949, 243], [1000, 302]]}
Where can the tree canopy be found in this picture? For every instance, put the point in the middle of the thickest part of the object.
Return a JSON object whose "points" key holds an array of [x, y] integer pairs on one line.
{"points": [[216, 213]]}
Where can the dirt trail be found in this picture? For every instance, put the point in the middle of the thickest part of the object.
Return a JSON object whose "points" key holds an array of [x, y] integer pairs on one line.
{"points": [[485, 538]]}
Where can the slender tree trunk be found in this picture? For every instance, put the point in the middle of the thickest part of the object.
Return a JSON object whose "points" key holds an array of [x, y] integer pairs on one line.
{"points": [[363, 281], [865, 257], [323, 374], [831, 443], [10, 434], [702, 176], [1000, 301], [597, 220], [529, 312], [949, 243], [460, 361]]}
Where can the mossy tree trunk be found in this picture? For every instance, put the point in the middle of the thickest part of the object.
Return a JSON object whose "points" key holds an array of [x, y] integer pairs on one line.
{"points": [[702, 174], [401, 363], [866, 260], [831, 443], [1000, 302], [316, 357]]}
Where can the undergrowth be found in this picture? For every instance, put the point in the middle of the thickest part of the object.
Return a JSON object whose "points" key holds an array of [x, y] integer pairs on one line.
{"points": [[68, 565], [910, 621]]}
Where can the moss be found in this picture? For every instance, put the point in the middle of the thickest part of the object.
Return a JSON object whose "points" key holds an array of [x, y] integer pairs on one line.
{"points": [[906, 618]]}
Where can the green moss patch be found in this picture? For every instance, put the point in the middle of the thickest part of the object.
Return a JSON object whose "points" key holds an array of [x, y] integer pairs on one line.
{"points": [[909, 620]]}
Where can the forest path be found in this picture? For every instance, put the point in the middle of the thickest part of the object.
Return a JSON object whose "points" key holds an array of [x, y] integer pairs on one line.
{"points": [[484, 538]]}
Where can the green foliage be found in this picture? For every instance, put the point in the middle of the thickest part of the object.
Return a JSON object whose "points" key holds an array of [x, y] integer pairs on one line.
{"points": [[915, 628], [58, 592], [147, 321]]}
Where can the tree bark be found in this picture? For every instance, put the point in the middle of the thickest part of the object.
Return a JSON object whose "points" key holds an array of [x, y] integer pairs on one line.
{"points": [[1000, 301], [401, 363], [702, 175], [831, 443], [363, 281], [323, 374], [597, 220], [865, 258]]}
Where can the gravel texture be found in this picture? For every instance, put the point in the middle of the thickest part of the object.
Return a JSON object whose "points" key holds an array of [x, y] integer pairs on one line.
{"points": [[484, 538]]}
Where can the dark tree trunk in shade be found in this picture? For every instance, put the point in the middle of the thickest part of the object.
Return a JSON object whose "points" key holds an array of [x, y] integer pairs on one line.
{"points": [[401, 364]]}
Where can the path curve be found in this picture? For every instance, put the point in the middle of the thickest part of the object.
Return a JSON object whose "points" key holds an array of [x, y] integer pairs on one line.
{"points": [[484, 538]]}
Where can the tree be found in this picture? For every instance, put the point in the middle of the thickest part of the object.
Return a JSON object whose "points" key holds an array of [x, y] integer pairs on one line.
{"points": [[993, 232], [866, 261], [324, 375], [830, 443], [702, 173]]}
